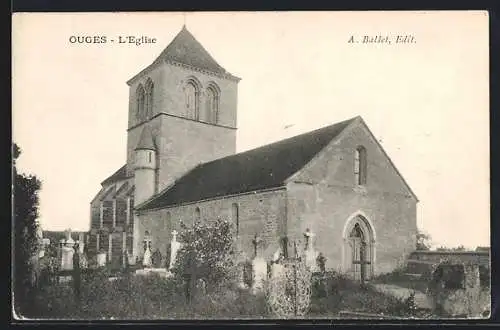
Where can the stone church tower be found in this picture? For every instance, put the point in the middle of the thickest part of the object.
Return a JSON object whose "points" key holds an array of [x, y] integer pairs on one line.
{"points": [[182, 112], [182, 108]]}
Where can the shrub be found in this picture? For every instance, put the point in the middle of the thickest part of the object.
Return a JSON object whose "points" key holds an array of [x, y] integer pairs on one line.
{"points": [[346, 294], [144, 297], [206, 253], [25, 225], [484, 276]]}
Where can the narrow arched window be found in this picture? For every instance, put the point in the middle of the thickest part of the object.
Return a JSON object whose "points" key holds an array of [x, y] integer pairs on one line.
{"points": [[212, 104], [235, 216], [197, 214], [168, 220], [191, 100], [140, 97], [149, 91], [360, 164]]}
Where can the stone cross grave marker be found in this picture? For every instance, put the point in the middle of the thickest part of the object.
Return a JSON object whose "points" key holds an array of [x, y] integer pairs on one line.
{"points": [[259, 266], [146, 261], [174, 248], [310, 253], [67, 251]]}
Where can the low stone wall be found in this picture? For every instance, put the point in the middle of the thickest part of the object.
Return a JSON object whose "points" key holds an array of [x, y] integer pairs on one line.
{"points": [[456, 291], [481, 258], [421, 262]]}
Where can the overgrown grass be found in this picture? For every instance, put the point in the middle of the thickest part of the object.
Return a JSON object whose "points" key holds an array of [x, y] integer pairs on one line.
{"points": [[143, 297], [400, 278], [342, 294], [153, 297]]}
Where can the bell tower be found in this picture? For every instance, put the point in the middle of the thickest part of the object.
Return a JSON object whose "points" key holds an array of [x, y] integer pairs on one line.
{"points": [[189, 103], [182, 112]]}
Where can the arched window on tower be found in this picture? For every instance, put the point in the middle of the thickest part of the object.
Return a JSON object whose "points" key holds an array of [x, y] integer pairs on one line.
{"points": [[140, 97], [212, 104], [149, 91], [235, 216], [360, 164], [191, 98]]}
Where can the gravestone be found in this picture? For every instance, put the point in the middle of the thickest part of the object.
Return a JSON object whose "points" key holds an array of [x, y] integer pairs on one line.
{"points": [[156, 259], [146, 261], [81, 251], [289, 295], [174, 248], [101, 259], [277, 267], [76, 273], [311, 254], [67, 251], [259, 267], [455, 289], [131, 259]]}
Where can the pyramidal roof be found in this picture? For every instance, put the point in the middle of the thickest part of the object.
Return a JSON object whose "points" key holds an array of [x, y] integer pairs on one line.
{"points": [[146, 140], [185, 49]]}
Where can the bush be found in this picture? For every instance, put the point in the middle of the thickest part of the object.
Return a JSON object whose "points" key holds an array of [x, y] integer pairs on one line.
{"points": [[484, 276], [144, 297], [206, 253], [400, 278]]}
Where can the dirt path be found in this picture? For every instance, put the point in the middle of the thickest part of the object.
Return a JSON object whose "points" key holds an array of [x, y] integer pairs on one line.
{"points": [[421, 299]]}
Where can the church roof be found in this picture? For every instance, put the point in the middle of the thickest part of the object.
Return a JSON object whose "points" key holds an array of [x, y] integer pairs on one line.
{"points": [[146, 140], [261, 168], [120, 174], [185, 49]]}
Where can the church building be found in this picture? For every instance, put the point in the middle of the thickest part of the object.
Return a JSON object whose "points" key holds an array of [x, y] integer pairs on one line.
{"points": [[336, 182]]}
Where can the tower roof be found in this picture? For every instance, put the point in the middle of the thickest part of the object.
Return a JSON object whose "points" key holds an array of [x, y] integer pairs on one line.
{"points": [[146, 140], [185, 49]]}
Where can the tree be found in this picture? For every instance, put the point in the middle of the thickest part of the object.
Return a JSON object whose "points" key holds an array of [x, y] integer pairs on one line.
{"points": [[459, 248], [206, 253], [26, 188], [423, 241]]}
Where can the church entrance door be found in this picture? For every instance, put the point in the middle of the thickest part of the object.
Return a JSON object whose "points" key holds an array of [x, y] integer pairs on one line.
{"points": [[359, 250], [359, 260]]}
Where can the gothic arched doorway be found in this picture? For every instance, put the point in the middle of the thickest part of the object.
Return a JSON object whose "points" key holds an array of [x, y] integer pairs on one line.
{"points": [[359, 251]]}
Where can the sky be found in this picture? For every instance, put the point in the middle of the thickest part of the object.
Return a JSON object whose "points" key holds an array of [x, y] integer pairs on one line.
{"points": [[426, 102]]}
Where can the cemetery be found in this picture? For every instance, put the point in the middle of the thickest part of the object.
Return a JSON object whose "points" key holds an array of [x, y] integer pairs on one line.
{"points": [[206, 280]]}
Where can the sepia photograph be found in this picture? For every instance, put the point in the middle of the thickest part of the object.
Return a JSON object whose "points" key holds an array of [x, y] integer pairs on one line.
{"points": [[251, 165]]}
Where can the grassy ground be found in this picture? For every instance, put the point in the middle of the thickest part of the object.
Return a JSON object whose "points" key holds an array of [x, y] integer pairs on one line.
{"points": [[150, 297], [400, 278], [133, 298], [343, 294]]}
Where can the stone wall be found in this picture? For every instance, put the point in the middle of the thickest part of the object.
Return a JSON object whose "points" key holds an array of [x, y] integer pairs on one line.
{"points": [[185, 144], [455, 290], [260, 213], [324, 196], [476, 257], [182, 142]]}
